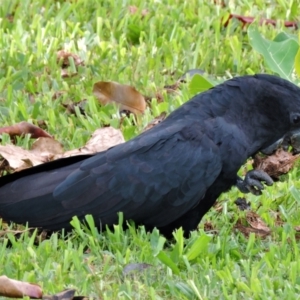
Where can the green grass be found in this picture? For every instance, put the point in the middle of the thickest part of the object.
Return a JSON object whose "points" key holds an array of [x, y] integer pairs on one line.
{"points": [[148, 53]]}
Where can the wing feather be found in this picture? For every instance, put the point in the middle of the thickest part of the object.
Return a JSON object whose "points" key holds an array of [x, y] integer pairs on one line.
{"points": [[152, 179]]}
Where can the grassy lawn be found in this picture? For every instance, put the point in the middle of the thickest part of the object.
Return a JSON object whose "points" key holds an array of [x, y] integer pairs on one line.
{"points": [[146, 44]]}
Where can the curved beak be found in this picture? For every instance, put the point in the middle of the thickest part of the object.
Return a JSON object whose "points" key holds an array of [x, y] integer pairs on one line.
{"points": [[290, 139], [272, 148], [295, 142]]}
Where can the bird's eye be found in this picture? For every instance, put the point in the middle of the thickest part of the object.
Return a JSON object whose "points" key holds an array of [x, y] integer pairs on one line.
{"points": [[295, 118]]}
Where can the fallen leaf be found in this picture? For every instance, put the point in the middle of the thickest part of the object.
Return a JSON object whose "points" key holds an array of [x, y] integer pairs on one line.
{"points": [[127, 97], [279, 163], [276, 216], [249, 20], [255, 225], [218, 206], [19, 158], [47, 147], [256, 222], [209, 228], [64, 57], [23, 128], [101, 140], [4, 166], [14, 232], [18, 289], [156, 121], [43, 150], [246, 231]]}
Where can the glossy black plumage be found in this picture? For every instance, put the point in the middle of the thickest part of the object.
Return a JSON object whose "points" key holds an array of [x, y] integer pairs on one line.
{"points": [[168, 176]]}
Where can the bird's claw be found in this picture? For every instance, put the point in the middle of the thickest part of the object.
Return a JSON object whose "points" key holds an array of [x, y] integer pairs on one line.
{"points": [[253, 182]]}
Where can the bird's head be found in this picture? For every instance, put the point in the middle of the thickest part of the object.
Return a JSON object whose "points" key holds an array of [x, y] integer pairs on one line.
{"points": [[287, 100]]}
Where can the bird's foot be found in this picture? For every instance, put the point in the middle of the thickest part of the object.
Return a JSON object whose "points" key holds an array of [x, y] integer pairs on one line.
{"points": [[253, 182]]}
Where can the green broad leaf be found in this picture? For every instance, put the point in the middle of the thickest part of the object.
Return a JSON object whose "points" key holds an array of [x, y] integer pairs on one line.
{"points": [[283, 36], [166, 260], [199, 247], [278, 54], [297, 63], [199, 84]]}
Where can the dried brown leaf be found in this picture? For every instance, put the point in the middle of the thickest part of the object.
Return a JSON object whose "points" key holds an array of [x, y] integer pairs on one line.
{"points": [[101, 140], [246, 231], [276, 216], [209, 227], [14, 232], [255, 225], [18, 289], [23, 128], [245, 20], [63, 57], [47, 147], [281, 162], [256, 222], [19, 158], [4, 166], [218, 206], [43, 150], [127, 97]]}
